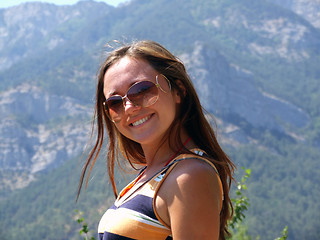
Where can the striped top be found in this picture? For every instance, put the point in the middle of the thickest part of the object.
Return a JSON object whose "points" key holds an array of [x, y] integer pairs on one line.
{"points": [[133, 215]]}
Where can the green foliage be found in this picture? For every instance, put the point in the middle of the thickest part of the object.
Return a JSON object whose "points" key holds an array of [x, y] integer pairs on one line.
{"points": [[84, 230], [44, 209], [284, 234], [241, 202], [284, 176]]}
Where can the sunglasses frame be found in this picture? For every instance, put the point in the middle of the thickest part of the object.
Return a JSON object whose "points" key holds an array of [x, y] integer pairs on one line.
{"points": [[105, 106]]}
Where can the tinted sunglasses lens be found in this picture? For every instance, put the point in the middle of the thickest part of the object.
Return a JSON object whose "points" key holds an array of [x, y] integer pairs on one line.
{"points": [[114, 106], [143, 94]]}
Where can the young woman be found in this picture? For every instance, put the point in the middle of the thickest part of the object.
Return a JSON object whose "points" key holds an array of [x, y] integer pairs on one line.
{"points": [[146, 102]]}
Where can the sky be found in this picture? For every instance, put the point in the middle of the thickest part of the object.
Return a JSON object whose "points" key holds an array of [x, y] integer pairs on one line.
{"points": [[10, 3]]}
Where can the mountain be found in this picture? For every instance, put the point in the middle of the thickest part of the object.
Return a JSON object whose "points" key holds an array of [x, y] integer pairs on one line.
{"points": [[39, 27], [253, 63]]}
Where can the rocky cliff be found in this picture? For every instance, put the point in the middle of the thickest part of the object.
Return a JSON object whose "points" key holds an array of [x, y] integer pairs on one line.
{"points": [[38, 131], [226, 89]]}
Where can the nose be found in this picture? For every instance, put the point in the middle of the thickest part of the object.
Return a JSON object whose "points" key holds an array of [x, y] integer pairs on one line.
{"points": [[128, 106]]}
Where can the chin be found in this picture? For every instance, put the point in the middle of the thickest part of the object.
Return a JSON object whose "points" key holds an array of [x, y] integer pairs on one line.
{"points": [[148, 138]]}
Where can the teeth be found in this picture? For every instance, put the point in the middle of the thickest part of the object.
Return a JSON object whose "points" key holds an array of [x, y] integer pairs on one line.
{"points": [[140, 121]]}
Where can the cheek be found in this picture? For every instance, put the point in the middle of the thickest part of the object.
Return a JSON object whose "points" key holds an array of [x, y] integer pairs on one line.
{"points": [[169, 107]]}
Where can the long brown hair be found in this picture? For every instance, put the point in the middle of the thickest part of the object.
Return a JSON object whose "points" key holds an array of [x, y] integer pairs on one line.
{"points": [[190, 117]]}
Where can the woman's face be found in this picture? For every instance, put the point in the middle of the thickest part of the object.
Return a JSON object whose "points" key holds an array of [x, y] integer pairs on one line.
{"points": [[145, 125]]}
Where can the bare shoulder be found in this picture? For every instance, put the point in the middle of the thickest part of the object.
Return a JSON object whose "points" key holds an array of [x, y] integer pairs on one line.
{"points": [[192, 177], [192, 195], [194, 171]]}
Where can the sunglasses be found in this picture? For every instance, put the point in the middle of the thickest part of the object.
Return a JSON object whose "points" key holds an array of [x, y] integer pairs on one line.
{"points": [[142, 94]]}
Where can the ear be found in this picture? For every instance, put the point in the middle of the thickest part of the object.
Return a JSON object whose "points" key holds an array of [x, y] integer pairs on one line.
{"points": [[182, 89]]}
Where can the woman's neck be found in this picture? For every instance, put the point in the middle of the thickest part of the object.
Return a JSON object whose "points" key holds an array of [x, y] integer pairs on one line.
{"points": [[157, 157], [156, 154]]}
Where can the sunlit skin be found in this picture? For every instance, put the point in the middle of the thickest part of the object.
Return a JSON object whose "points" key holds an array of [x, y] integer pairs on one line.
{"points": [[189, 199]]}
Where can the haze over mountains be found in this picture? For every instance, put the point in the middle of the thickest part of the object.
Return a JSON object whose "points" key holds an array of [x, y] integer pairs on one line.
{"points": [[255, 65]]}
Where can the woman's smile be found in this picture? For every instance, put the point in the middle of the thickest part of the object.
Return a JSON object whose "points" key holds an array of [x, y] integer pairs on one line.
{"points": [[141, 121]]}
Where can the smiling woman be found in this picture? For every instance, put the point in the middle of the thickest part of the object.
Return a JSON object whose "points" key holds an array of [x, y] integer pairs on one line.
{"points": [[148, 105]]}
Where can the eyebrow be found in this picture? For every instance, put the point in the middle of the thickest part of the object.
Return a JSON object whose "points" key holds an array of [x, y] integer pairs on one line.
{"points": [[112, 93]]}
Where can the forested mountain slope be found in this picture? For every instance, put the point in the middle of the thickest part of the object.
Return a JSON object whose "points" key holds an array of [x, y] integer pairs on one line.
{"points": [[255, 65]]}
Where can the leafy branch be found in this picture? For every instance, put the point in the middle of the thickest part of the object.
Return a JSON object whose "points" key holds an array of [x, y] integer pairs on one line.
{"points": [[85, 229], [241, 202], [284, 234]]}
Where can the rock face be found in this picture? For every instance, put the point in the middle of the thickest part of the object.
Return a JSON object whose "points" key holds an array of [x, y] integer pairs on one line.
{"points": [[39, 131], [282, 35], [226, 89]]}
